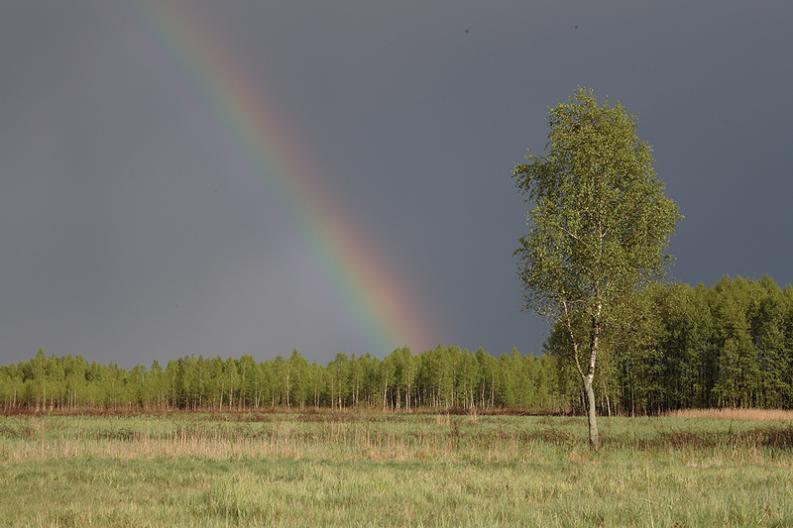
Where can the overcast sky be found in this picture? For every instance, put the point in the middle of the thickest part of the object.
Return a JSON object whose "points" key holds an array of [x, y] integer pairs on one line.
{"points": [[133, 225]]}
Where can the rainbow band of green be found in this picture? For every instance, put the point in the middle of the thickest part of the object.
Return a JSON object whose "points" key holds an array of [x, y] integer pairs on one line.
{"points": [[374, 298]]}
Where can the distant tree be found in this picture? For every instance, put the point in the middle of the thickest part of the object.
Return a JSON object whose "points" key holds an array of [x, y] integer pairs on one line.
{"points": [[487, 378], [467, 379], [339, 374], [598, 226], [298, 376], [387, 376], [768, 329], [281, 381], [406, 367]]}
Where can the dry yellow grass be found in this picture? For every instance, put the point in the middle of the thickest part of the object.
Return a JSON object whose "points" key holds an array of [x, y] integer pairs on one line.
{"points": [[346, 441], [761, 415], [229, 450]]}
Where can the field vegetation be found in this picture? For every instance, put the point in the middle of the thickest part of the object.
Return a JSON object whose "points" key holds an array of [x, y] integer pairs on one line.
{"points": [[355, 468]]}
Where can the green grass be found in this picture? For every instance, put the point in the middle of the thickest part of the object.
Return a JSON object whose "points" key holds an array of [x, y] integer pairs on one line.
{"points": [[375, 469]]}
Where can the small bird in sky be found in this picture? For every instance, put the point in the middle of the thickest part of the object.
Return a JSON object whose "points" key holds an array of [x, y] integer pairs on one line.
{"points": [[466, 30]]}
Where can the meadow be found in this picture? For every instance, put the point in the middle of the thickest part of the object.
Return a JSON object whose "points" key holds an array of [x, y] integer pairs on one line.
{"points": [[368, 468]]}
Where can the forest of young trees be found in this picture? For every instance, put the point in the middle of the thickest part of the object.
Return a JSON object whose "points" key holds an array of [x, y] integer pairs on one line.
{"points": [[679, 346], [730, 345], [445, 377]]}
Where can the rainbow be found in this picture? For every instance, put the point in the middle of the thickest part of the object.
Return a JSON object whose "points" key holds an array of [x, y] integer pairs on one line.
{"points": [[376, 299]]}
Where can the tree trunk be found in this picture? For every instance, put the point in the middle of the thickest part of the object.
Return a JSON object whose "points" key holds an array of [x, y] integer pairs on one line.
{"points": [[594, 439]]}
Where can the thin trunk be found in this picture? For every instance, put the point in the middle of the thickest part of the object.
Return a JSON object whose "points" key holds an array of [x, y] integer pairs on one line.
{"points": [[594, 439], [492, 390]]}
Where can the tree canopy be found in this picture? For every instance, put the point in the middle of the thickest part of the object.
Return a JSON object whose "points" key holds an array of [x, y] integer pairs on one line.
{"points": [[599, 223]]}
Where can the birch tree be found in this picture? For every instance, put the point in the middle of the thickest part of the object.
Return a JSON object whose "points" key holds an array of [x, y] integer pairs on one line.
{"points": [[599, 224]]}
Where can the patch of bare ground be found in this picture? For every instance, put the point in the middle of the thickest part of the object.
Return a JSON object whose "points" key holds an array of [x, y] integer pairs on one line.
{"points": [[763, 415]]}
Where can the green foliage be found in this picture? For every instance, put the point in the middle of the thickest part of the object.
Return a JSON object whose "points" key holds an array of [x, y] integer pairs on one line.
{"points": [[677, 347], [599, 221], [447, 377], [598, 226], [680, 347]]}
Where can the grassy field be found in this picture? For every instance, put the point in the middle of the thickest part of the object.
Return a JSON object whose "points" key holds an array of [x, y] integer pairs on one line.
{"points": [[359, 469]]}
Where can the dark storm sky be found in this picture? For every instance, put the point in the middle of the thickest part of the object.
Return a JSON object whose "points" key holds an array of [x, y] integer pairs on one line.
{"points": [[133, 226]]}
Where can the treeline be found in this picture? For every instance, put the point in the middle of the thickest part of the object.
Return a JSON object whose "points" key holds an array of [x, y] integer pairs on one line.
{"points": [[445, 377], [676, 346], [667, 347]]}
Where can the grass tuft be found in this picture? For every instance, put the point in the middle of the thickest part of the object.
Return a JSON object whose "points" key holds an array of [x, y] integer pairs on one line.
{"points": [[235, 499]]}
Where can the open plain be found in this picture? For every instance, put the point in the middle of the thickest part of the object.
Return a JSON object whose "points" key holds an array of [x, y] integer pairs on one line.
{"points": [[360, 468]]}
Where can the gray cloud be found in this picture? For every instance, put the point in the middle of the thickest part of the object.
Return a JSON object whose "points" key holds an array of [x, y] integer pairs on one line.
{"points": [[133, 226]]}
